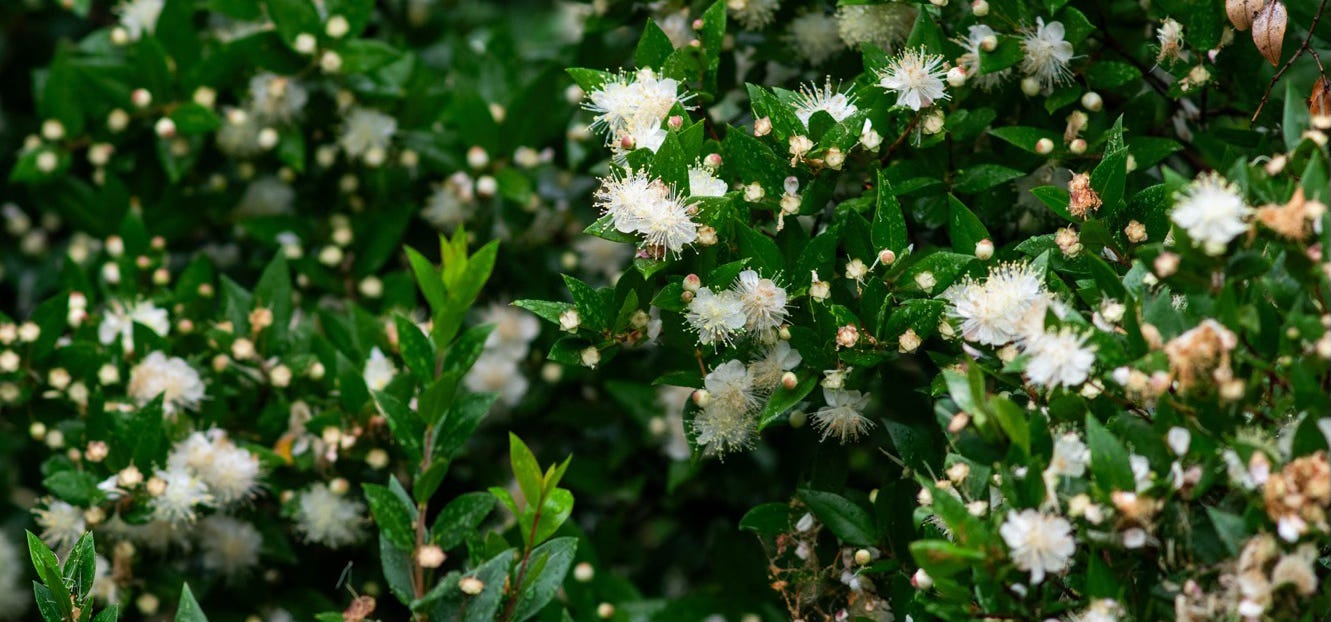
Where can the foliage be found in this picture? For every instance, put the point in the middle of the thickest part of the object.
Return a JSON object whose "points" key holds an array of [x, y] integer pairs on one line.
{"points": [[999, 309]]}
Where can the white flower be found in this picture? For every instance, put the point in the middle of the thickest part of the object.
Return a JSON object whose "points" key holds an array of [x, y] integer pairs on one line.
{"points": [[1003, 308], [1047, 54], [139, 17], [230, 472], [640, 134], [753, 14], [62, 524], [626, 99], [715, 316], [365, 129], [778, 359], [239, 135], [1211, 211], [703, 183], [639, 204], [266, 196], [229, 546], [842, 416], [495, 372], [513, 332], [170, 377], [119, 321], [916, 78], [1141, 470], [814, 36], [1040, 543], [450, 203], [721, 431], [602, 255], [1059, 358], [1071, 456], [328, 518], [184, 493], [883, 25], [14, 596], [276, 99], [731, 387], [811, 99], [379, 370], [1101, 610], [763, 301], [970, 61]]}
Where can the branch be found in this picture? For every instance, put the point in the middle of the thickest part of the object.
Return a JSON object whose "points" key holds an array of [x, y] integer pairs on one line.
{"points": [[1307, 40]]}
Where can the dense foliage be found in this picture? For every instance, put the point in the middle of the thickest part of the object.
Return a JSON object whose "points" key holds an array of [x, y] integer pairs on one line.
{"points": [[1001, 309]]}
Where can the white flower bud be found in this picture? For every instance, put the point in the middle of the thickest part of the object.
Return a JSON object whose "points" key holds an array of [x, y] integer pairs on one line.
{"points": [[863, 557], [754, 192], [1030, 86], [570, 321], [591, 357], [1044, 146], [205, 96], [371, 287], [486, 186], [305, 43], [47, 161], [53, 129], [583, 572], [117, 120], [471, 586], [141, 98], [926, 281], [921, 580], [1077, 146], [984, 249], [430, 556], [1092, 101], [956, 77], [762, 127], [989, 43], [280, 376], [267, 138], [980, 8], [477, 158], [337, 27], [330, 62]]}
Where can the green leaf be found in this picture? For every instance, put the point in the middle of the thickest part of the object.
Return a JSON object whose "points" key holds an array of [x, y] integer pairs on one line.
{"points": [[1109, 459], [293, 18], [941, 558], [784, 399], [460, 518], [548, 310], [461, 421], [273, 291], [416, 349], [525, 469], [555, 510], [848, 521], [1056, 199], [1107, 75], [1231, 529], [453, 604], [654, 46], [428, 280], [189, 610], [81, 566], [965, 228], [1013, 420], [405, 426], [977, 179], [591, 304], [1108, 180], [553, 559], [889, 223], [1009, 52], [394, 518], [1024, 137], [191, 119], [761, 249], [76, 487], [768, 519]]}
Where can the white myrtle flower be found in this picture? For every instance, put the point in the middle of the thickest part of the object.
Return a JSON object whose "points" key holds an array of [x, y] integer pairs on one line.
{"points": [[239, 135], [327, 518], [843, 416], [1003, 308], [1040, 543], [364, 130], [513, 332], [970, 61], [814, 36], [229, 546], [704, 183], [1059, 359], [763, 301], [721, 430], [379, 370], [883, 25], [61, 524], [230, 472], [1212, 211], [119, 321], [1047, 54], [1071, 457], [139, 17], [716, 316], [276, 99], [776, 360], [640, 134], [812, 98], [636, 203], [625, 99], [170, 377], [731, 387], [495, 372], [916, 78], [449, 205], [183, 495], [753, 14], [601, 255], [266, 196]]}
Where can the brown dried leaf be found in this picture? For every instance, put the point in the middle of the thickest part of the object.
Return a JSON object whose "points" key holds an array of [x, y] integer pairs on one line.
{"points": [[1241, 11], [1268, 31], [1319, 101]]}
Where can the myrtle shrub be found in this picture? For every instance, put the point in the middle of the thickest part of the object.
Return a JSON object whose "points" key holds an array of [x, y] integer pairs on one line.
{"points": [[1000, 309]]}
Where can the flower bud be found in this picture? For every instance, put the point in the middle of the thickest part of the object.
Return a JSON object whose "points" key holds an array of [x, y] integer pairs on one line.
{"points": [[675, 122], [337, 27], [591, 357], [692, 282], [477, 158], [471, 586], [1092, 101], [789, 380], [702, 397], [863, 557], [1044, 146], [956, 77], [921, 580], [430, 556], [583, 572], [141, 98], [762, 127], [1166, 264], [305, 43], [569, 321], [984, 249], [1077, 146], [908, 342], [926, 281]]}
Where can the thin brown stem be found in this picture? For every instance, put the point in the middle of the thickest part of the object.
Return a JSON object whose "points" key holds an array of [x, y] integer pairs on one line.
{"points": [[1303, 47]]}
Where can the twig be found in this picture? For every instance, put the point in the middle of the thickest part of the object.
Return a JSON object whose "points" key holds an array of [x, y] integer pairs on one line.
{"points": [[1307, 40]]}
